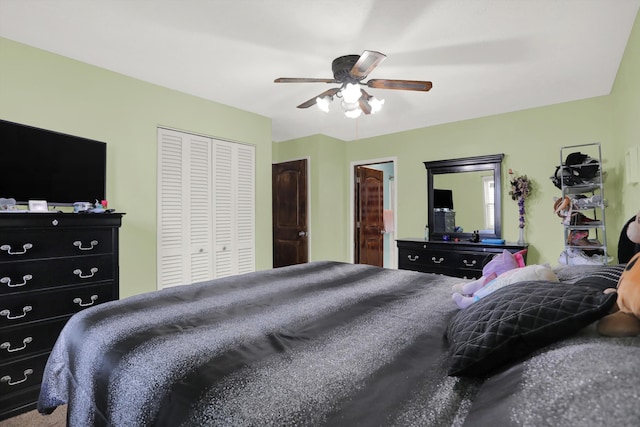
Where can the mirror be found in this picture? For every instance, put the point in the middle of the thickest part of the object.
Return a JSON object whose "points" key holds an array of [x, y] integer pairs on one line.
{"points": [[464, 195]]}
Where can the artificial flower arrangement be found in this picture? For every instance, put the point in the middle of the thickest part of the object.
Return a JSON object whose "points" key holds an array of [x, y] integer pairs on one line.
{"points": [[520, 190]]}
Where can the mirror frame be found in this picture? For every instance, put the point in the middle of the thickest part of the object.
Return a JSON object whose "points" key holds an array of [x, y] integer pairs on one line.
{"points": [[466, 164]]}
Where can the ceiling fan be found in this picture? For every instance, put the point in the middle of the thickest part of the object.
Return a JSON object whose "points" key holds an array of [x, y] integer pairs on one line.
{"points": [[349, 71]]}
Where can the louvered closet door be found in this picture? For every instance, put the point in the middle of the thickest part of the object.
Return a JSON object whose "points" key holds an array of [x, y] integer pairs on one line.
{"points": [[245, 208], [184, 208], [206, 208], [200, 232], [234, 208]]}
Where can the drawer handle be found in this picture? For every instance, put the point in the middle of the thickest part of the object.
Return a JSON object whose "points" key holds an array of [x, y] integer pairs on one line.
{"points": [[82, 304], [437, 261], [78, 244], [413, 259], [469, 264], [6, 312], [78, 273], [7, 345], [7, 378], [25, 248], [7, 281]]}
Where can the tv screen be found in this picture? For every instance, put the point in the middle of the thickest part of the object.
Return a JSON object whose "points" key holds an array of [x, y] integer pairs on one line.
{"points": [[39, 164], [442, 199]]}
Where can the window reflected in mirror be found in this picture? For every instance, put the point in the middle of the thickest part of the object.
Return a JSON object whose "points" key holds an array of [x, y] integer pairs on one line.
{"points": [[488, 201]]}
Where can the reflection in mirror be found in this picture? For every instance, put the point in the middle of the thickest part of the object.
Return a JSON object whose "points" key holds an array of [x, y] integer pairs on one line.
{"points": [[469, 197], [464, 196]]}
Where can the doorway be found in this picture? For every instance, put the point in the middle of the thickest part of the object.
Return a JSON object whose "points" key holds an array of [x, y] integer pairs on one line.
{"points": [[379, 205], [289, 182]]}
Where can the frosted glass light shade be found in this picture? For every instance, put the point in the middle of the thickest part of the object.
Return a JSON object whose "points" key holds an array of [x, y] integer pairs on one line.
{"points": [[323, 103], [351, 93]]}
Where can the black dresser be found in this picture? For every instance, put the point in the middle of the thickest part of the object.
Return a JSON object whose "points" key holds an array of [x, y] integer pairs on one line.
{"points": [[458, 259], [52, 265]]}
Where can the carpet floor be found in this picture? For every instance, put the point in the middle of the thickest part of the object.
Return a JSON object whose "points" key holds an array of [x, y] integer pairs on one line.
{"points": [[34, 419]]}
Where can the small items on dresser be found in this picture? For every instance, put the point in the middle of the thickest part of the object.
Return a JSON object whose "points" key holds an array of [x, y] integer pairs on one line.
{"points": [[7, 205], [87, 207]]}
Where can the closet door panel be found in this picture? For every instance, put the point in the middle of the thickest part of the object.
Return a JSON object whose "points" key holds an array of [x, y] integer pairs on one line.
{"points": [[200, 224], [223, 211], [245, 209], [171, 201]]}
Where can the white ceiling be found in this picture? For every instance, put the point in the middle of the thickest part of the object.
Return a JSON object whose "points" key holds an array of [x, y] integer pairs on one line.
{"points": [[484, 57]]}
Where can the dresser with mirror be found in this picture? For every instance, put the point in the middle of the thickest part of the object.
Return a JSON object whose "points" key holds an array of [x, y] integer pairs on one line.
{"points": [[464, 214]]}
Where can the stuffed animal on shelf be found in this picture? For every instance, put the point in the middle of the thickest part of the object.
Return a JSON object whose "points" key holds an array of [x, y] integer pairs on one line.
{"points": [[625, 320], [498, 265]]}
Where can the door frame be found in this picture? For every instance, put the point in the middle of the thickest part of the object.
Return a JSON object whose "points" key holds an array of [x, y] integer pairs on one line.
{"points": [[352, 207], [309, 215]]}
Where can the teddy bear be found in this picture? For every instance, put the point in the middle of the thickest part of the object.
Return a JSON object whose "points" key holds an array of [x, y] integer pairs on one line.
{"points": [[625, 319], [463, 292]]}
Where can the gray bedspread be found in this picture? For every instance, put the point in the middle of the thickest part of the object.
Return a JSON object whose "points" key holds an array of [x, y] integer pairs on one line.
{"points": [[323, 343]]}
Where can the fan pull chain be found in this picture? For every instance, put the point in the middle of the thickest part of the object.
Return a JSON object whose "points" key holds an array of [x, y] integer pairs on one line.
{"points": [[357, 120]]}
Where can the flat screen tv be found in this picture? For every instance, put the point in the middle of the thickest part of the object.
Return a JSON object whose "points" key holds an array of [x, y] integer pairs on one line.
{"points": [[442, 199], [39, 164]]}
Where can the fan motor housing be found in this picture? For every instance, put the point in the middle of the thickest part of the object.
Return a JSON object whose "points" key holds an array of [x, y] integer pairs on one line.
{"points": [[342, 66]]}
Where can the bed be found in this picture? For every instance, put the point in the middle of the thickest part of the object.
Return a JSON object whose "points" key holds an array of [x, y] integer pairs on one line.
{"points": [[329, 343]]}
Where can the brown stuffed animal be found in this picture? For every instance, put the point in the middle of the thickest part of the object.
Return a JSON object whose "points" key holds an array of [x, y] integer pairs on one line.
{"points": [[626, 321]]}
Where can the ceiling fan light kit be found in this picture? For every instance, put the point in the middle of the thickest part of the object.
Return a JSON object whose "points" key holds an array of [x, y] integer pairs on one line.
{"points": [[349, 71]]}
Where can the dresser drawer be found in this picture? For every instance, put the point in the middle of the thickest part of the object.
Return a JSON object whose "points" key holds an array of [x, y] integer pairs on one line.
{"points": [[458, 264], [470, 260], [428, 258], [469, 264], [17, 245], [17, 403], [24, 276], [411, 259], [17, 309], [21, 341], [22, 374], [458, 259]]}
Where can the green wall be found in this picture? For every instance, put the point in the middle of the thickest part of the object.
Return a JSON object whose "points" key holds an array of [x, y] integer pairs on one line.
{"points": [[626, 118], [53, 92], [328, 193], [531, 141]]}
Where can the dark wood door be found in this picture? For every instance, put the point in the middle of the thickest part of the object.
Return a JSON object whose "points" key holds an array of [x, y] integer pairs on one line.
{"points": [[289, 204], [369, 239]]}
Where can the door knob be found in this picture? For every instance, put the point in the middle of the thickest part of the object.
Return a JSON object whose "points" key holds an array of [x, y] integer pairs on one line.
{"points": [[303, 233]]}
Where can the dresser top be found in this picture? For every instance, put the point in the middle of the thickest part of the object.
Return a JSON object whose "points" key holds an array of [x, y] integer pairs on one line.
{"points": [[437, 244], [59, 220]]}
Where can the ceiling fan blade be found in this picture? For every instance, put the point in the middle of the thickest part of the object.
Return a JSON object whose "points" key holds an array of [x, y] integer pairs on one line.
{"points": [[366, 96], [369, 60], [312, 101], [364, 105], [400, 84], [303, 80]]}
